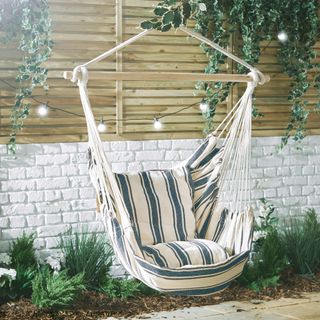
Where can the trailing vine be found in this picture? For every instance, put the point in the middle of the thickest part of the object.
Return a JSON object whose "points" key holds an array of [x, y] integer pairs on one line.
{"points": [[28, 23], [253, 21]]}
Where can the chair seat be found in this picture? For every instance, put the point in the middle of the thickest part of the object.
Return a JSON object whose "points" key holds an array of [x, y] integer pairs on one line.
{"points": [[182, 253]]}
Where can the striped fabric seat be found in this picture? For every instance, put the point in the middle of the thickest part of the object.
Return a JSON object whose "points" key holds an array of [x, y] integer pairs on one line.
{"points": [[159, 203], [183, 253]]}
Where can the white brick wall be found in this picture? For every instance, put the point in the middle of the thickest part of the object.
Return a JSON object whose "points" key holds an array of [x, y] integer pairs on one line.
{"points": [[46, 189]]}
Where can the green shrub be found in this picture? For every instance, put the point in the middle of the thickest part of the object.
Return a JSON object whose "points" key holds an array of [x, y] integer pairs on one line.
{"points": [[55, 289], [22, 285], [23, 260], [268, 257], [88, 254], [301, 242], [266, 265], [23, 253], [121, 288]]}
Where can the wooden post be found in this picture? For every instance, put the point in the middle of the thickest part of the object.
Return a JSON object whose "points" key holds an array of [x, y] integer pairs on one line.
{"points": [[119, 86]]}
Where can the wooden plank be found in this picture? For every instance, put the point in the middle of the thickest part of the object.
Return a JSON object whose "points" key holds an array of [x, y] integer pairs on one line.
{"points": [[164, 76], [119, 57]]}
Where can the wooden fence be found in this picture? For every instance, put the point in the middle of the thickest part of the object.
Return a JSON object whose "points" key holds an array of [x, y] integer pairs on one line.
{"points": [[82, 30]]}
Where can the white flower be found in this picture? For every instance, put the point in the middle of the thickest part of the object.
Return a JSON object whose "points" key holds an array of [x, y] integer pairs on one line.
{"points": [[259, 234], [54, 263], [11, 273], [202, 6], [5, 259]]}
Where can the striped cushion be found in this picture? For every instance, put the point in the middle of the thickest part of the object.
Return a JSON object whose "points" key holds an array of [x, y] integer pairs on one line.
{"points": [[182, 253], [159, 203]]}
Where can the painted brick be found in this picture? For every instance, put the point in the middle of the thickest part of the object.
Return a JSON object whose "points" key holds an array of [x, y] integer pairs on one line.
{"points": [[52, 205], [4, 198], [52, 183], [68, 147], [52, 219], [16, 209], [17, 222], [34, 172], [53, 195], [35, 196], [150, 145], [185, 144], [165, 144], [70, 170], [70, 217], [52, 231], [150, 155], [17, 185], [134, 145], [17, 197], [52, 171], [172, 156], [118, 146], [52, 148], [4, 222], [119, 167], [17, 173], [134, 166], [270, 161], [35, 220], [70, 194]]}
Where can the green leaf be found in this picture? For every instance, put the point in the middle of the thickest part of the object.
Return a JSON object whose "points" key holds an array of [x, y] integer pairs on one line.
{"points": [[146, 24], [166, 27], [186, 9], [160, 11], [167, 18], [177, 19]]}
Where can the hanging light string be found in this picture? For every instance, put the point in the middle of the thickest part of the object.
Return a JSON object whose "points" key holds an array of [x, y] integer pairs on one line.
{"points": [[44, 107]]}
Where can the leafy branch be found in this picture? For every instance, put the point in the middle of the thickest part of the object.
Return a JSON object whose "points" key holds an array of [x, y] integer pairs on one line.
{"points": [[26, 22], [253, 21]]}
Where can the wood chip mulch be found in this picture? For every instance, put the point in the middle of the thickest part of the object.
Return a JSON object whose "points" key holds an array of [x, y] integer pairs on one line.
{"points": [[93, 305]]}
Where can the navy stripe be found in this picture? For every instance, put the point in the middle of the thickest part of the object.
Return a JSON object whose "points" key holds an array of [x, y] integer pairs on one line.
{"points": [[153, 206], [157, 256], [198, 153], [205, 252], [177, 208], [194, 272], [124, 184], [180, 252], [209, 157]]}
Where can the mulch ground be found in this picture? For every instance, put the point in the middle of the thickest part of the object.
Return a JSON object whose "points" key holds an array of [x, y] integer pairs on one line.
{"points": [[92, 305]]}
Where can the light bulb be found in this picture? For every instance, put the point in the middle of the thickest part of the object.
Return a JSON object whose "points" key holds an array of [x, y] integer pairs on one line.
{"points": [[102, 127], [43, 110], [157, 124], [282, 36], [204, 105]]}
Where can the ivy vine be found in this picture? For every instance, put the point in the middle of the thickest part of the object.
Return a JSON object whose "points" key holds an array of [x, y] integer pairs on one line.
{"points": [[26, 22], [253, 21]]}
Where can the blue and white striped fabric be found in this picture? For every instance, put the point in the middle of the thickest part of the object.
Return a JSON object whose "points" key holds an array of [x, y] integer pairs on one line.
{"points": [[161, 217], [159, 203], [182, 253]]}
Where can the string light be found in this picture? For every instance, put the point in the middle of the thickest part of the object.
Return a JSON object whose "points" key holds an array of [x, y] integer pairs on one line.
{"points": [[204, 106], [43, 110], [102, 127], [157, 124], [282, 36]]}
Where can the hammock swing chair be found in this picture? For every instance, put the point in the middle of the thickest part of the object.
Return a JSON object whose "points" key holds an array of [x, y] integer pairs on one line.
{"points": [[187, 230]]}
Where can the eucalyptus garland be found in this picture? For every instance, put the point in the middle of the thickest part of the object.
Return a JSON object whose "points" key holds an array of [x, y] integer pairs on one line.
{"points": [[28, 23], [253, 21]]}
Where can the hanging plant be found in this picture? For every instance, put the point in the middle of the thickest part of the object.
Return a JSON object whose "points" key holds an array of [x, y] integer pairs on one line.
{"points": [[253, 21], [26, 22]]}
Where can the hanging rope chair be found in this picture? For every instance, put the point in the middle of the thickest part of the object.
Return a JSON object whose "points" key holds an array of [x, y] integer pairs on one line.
{"points": [[187, 230]]}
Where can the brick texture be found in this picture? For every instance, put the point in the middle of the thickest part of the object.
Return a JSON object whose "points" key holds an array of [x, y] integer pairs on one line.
{"points": [[47, 190]]}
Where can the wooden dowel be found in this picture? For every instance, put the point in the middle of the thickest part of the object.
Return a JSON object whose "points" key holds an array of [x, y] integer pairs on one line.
{"points": [[164, 76]]}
